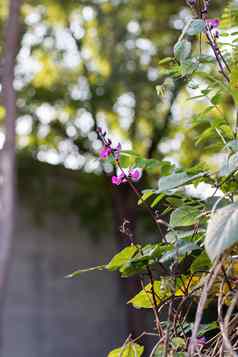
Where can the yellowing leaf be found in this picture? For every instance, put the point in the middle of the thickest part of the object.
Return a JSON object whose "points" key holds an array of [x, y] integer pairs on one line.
{"points": [[129, 350], [144, 299], [188, 284]]}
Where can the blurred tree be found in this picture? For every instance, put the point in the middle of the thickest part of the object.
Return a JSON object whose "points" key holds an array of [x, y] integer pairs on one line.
{"points": [[8, 152]]}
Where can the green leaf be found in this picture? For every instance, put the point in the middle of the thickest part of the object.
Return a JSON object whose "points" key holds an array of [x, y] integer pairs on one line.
{"points": [[157, 200], [188, 66], [216, 99], [144, 299], [147, 164], [129, 350], [201, 263], [208, 134], [222, 231], [230, 166], [183, 249], [122, 258], [184, 216], [197, 26], [81, 271], [173, 236], [148, 255], [176, 180], [182, 50], [146, 194], [159, 352], [178, 342], [207, 327]]}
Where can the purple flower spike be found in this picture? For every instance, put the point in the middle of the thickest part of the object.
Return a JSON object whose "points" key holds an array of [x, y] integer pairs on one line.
{"points": [[213, 23], [135, 175], [117, 152], [105, 152]]}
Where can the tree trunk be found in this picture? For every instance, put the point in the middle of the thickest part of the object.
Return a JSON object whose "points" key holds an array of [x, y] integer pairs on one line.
{"points": [[8, 154]]}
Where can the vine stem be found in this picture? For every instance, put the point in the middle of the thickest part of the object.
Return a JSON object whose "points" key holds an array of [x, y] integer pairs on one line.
{"points": [[210, 278]]}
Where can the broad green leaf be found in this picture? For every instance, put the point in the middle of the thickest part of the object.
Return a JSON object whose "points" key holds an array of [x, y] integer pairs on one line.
{"points": [[146, 163], [129, 350], [222, 231], [201, 263], [176, 180], [181, 250], [184, 216], [182, 50], [144, 299], [148, 255], [230, 166], [122, 258], [173, 236], [197, 26], [81, 271]]}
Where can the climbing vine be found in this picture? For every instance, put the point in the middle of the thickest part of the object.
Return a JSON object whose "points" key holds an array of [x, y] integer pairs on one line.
{"points": [[193, 261]]}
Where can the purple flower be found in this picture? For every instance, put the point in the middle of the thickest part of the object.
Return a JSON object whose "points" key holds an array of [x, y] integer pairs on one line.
{"points": [[117, 180], [105, 152], [117, 152], [135, 175], [213, 23], [191, 2]]}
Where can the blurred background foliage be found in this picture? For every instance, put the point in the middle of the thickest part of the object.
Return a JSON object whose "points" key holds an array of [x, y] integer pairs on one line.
{"points": [[86, 63]]}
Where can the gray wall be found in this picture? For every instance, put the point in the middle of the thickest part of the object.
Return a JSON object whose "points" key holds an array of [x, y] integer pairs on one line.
{"points": [[46, 315]]}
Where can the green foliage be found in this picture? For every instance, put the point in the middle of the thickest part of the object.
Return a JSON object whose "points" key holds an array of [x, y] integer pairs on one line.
{"points": [[167, 183], [222, 231], [120, 259], [184, 216]]}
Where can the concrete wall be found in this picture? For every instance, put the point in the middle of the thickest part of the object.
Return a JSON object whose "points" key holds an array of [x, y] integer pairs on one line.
{"points": [[48, 316]]}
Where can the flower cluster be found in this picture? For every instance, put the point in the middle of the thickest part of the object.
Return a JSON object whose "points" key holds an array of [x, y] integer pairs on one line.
{"points": [[107, 150], [133, 175]]}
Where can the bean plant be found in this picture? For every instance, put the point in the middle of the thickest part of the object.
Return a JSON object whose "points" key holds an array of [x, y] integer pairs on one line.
{"points": [[193, 261]]}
